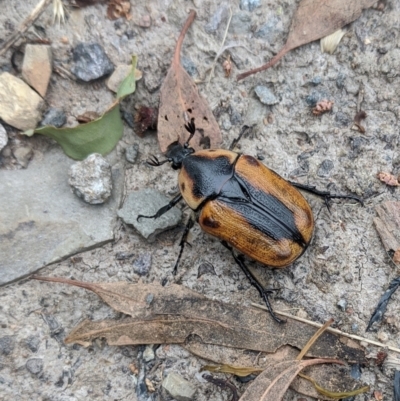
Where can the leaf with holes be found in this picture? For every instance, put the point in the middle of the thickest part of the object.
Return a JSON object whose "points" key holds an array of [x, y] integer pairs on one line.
{"points": [[180, 101]]}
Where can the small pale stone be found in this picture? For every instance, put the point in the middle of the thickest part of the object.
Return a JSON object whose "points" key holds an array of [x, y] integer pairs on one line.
{"points": [[265, 95], [37, 67], [90, 179], [383, 337], [3, 138], [117, 77], [178, 387], [34, 365], [148, 353], [23, 154], [20, 106], [147, 202]]}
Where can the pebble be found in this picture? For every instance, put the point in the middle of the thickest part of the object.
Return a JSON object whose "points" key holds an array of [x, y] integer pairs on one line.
{"points": [[131, 153], [265, 95], [383, 337], [32, 342], [6, 345], [189, 66], [178, 387], [316, 80], [240, 24], [23, 154], [91, 62], [3, 138], [354, 327], [269, 30], [205, 268], [147, 202], [128, 118], [34, 365], [91, 180], [54, 117], [15, 91], [37, 67], [116, 78], [316, 95], [236, 117], [340, 81], [142, 264], [343, 119], [220, 15], [249, 5], [342, 304], [148, 353], [325, 168]]}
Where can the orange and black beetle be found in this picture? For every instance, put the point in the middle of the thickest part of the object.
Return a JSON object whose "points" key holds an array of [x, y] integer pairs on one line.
{"points": [[243, 203]]}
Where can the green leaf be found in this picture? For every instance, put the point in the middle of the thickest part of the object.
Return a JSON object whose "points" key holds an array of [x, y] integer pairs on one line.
{"points": [[128, 85], [98, 136]]}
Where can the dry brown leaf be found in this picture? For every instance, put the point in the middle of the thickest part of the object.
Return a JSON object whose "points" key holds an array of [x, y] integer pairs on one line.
{"points": [[378, 395], [227, 66], [180, 101], [232, 325], [315, 19], [328, 376], [272, 384]]}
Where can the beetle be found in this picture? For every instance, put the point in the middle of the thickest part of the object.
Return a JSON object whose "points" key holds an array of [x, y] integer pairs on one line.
{"points": [[243, 203]]}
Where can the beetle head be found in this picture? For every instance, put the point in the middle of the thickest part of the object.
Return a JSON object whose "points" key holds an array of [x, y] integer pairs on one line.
{"points": [[176, 153]]}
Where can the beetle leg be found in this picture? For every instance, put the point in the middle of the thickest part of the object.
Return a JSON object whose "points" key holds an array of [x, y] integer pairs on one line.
{"points": [[253, 281], [245, 129], [164, 209], [183, 242], [325, 194]]}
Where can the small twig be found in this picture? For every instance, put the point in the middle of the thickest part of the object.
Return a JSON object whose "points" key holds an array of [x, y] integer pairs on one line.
{"points": [[331, 330], [33, 16], [221, 47]]}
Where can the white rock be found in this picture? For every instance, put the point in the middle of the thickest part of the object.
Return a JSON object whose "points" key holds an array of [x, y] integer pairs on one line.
{"points": [[178, 387], [116, 78], [20, 106]]}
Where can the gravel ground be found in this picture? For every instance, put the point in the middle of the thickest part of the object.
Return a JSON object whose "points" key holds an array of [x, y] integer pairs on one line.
{"points": [[344, 271]]}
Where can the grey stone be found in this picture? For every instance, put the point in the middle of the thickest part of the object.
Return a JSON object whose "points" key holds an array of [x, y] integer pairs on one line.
{"points": [[255, 113], [23, 154], [43, 222], [6, 345], [147, 202], [128, 118], [270, 30], [235, 117], [131, 153], [34, 365], [220, 15], [325, 168], [342, 304], [205, 268], [54, 117], [317, 95], [14, 91], [91, 180], [37, 67], [148, 353], [265, 95], [390, 63], [178, 387], [142, 264], [316, 80], [343, 119], [189, 66], [354, 327], [240, 24], [32, 342], [91, 62], [3, 138], [340, 80], [249, 5]]}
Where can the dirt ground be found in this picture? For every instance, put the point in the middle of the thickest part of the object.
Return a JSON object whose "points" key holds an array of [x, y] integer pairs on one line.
{"points": [[345, 269]]}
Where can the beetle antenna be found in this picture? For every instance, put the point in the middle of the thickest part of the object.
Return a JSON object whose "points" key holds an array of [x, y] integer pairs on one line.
{"points": [[154, 162], [191, 128]]}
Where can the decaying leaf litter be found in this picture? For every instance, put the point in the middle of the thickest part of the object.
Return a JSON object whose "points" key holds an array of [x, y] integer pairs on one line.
{"points": [[178, 315]]}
